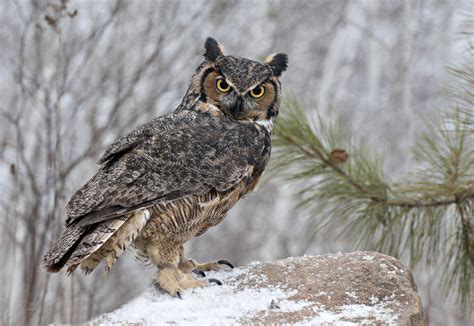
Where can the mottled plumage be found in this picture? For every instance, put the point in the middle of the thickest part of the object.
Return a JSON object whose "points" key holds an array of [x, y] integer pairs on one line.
{"points": [[177, 175]]}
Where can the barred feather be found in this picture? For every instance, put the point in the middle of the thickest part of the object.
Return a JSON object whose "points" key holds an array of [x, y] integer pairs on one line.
{"points": [[93, 241], [118, 242], [55, 259]]}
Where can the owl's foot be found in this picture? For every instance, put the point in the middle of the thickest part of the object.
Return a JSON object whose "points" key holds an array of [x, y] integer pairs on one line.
{"points": [[174, 281], [191, 265]]}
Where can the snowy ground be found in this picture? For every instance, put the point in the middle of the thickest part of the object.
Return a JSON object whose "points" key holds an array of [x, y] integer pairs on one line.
{"points": [[214, 304], [235, 302]]}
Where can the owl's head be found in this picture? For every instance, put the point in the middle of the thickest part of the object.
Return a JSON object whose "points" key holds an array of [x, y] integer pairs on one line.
{"points": [[241, 88]]}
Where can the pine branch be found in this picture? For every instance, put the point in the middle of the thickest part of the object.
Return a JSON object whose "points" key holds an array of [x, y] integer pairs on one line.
{"points": [[416, 203], [317, 155], [351, 192], [428, 202], [427, 217]]}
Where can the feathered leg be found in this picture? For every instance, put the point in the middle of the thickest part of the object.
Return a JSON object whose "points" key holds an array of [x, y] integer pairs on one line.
{"points": [[165, 254]]}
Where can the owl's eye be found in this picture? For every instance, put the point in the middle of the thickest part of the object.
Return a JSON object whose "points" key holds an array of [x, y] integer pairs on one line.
{"points": [[258, 91], [222, 86]]}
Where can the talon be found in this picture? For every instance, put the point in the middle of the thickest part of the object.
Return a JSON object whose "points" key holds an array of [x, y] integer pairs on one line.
{"points": [[178, 294], [213, 280], [225, 262], [199, 272]]}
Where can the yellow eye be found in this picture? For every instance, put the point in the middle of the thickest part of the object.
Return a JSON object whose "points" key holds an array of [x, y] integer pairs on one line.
{"points": [[222, 86], [258, 91]]}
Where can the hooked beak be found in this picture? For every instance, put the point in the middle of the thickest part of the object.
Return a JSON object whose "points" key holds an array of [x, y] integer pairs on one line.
{"points": [[238, 107]]}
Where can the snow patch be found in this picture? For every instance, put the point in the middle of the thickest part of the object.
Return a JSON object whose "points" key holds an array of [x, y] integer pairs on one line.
{"points": [[351, 295], [361, 313], [373, 299], [210, 305], [368, 257]]}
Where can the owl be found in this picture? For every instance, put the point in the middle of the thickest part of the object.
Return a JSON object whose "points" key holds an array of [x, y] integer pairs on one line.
{"points": [[176, 176]]}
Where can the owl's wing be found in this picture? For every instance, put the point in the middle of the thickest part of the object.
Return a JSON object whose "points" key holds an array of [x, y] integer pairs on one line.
{"points": [[160, 124], [183, 153]]}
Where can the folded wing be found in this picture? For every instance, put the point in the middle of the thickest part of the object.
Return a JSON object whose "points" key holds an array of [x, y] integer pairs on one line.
{"points": [[179, 154]]}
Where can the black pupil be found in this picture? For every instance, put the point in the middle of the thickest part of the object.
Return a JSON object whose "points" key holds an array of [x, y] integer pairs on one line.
{"points": [[224, 85], [257, 90]]}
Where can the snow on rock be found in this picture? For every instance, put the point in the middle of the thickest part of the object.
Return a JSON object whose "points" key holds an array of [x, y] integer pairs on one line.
{"points": [[344, 288]]}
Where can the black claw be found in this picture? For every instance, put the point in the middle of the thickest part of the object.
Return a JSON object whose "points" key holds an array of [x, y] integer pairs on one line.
{"points": [[159, 289], [213, 280], [199, 272], [225, 262]]}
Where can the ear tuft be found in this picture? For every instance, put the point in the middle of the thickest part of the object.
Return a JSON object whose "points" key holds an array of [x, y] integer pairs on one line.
{"points": [[213, 49], [278, 62]]}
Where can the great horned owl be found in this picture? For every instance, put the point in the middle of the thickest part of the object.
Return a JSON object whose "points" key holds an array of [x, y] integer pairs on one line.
{"points": [[177, 175]]}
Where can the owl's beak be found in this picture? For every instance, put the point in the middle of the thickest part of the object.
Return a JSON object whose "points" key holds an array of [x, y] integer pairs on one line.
{"points": [[238, 107]]}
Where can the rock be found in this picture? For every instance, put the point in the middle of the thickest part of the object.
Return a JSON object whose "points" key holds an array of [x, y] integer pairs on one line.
{"points": [[354, 288]]}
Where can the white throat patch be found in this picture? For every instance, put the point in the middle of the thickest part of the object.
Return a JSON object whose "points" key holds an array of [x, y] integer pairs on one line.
{"points": [[267, 124]]}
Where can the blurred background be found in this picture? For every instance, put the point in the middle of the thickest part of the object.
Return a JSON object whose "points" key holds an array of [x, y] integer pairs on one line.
{"points": [[75, 75]]}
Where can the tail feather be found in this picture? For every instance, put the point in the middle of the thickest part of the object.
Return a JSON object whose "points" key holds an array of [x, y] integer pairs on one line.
{"points": [[88, 245], [64, 247], [93, 241], [77, 243], [118, 243]]}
